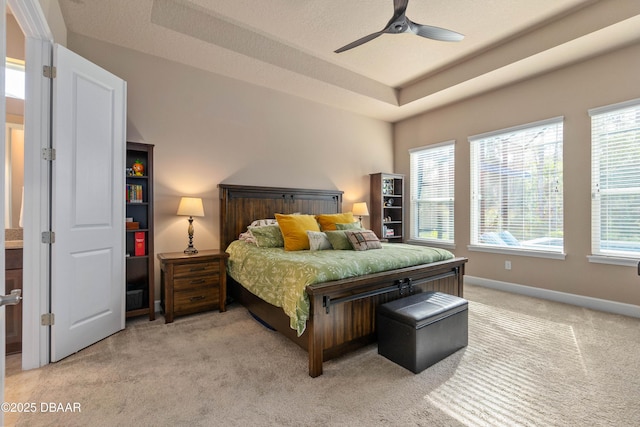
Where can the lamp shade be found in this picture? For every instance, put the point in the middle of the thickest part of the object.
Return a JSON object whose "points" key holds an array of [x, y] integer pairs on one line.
{"points": [[191, 206], [360, 209]]}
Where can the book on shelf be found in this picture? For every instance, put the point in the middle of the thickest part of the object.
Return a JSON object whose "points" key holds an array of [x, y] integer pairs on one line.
{"points": [[139, 243], [134, 193]]}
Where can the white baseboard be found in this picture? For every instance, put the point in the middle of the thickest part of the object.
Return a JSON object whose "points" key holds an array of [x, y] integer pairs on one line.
{"points": [[579, 300], [157, 307]]}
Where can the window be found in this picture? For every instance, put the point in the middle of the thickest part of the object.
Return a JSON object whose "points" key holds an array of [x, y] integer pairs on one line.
{"points": [[432, 192], [615, 177], [516, 189], [14, 79]]}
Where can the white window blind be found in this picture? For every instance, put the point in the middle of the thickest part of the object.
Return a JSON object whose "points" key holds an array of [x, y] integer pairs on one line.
{"points": [[517, 187], [615, 176], [432, 192]]}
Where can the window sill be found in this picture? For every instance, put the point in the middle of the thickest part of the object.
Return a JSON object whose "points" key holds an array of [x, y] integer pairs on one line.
{"points": [[612, 260], [432, 243], [517, 252]]}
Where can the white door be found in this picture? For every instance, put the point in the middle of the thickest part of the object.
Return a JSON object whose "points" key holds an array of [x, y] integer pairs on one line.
{"points": [[87, 256]]}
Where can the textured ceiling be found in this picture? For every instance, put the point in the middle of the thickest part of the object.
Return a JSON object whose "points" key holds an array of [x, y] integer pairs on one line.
{"points": [[288, 45]]}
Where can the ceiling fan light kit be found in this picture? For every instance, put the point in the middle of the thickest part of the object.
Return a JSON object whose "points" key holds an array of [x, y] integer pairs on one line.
{"points": [[400, 24]]}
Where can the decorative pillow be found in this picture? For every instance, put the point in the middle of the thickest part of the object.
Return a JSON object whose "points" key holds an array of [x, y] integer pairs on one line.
{"points": [[247, 237], [267, 236], [329, 221], [349, 226], [318, 241], [260, 222], [338, 240], [362, 240], [294, 230]]}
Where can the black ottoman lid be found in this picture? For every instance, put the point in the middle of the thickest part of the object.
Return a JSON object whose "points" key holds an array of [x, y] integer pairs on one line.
{"points": [[424, 308]]}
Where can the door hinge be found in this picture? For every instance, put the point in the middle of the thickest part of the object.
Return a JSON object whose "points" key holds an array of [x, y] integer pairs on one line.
{"points": [[49, 72], [49, 154], [48, 237], [47, 319]]}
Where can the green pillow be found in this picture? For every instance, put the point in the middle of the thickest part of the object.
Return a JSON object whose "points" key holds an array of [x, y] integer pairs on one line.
{"points": [[338, 240], [267, 236], [349, 226]]}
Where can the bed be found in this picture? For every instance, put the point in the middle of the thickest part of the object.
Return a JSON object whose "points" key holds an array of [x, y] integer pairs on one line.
{"points": [[341, 315]]}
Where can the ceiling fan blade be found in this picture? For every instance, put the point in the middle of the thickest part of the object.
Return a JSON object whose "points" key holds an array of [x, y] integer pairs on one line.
{"points": [[359, 41], [399, 8], [435, 33]]}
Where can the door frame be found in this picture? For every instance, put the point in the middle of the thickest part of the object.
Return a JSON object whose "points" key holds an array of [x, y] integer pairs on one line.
{"points": [[36, 276]]}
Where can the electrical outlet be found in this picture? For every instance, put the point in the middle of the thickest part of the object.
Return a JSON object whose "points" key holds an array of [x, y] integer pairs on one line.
{"points": [[507, 265]]}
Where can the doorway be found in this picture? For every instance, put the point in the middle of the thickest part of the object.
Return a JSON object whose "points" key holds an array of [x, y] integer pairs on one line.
{"points": [[37, 39], [14, 187]]}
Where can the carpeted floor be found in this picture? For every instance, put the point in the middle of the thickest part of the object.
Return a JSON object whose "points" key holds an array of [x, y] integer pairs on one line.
{"points": [[529, 362]]}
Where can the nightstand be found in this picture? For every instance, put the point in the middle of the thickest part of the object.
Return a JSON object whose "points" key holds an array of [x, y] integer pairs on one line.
{"points": [[192, 283]]}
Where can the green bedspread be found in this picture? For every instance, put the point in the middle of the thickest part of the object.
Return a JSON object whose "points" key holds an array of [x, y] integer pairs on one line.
{"points": [[280, 277]]}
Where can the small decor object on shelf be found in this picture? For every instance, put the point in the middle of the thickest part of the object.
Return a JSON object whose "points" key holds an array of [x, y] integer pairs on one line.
{"points": [[387, 186], [191, 206], [138, 168]]}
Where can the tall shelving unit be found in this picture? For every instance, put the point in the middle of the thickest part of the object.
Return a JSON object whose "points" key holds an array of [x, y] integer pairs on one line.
{"points": [[139, 232], [387, 206]]}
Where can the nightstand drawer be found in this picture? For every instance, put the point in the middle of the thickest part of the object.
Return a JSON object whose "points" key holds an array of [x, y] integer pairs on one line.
{"points": [[195, 269], [196, 300], [191, 282]]}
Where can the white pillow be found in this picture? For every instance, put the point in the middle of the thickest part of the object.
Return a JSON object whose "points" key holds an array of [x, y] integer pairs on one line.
{"points": [[318, 241]]}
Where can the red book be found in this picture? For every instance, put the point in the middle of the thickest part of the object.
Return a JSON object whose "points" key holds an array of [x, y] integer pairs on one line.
{"points": [[139, 243]]}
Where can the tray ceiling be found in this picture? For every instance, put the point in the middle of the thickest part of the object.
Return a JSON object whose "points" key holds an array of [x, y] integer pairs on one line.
{"points": [[288, 45]]}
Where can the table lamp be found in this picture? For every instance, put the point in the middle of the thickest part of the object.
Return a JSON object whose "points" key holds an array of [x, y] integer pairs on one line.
{"points": [[190, 206], [360, 210]]}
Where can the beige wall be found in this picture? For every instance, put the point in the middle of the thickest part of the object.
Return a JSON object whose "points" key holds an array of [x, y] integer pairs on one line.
{"points": [[568, 92], [209, 129], [15, 39], [53, 15]]}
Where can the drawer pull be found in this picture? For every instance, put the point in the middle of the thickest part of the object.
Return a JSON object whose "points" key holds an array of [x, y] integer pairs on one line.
{"points": [[197, 268], [198, 298], [195, 282]]}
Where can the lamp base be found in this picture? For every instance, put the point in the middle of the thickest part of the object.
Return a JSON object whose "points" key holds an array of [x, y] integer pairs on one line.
{"points": [[190, 250]]}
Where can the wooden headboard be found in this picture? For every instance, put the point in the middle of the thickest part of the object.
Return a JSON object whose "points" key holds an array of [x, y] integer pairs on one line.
{"points": [[242, 204]]}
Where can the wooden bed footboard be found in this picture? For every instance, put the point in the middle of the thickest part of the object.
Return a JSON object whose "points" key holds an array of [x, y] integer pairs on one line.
{"points": [[342, 313]]}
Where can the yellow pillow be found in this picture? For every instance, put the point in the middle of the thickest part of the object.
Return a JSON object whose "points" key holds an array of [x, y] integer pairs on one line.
{"points": [[329, 221], [294, 230]]}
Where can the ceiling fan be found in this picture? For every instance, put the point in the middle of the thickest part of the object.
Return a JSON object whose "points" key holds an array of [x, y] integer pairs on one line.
{"points": [[399, 23]]}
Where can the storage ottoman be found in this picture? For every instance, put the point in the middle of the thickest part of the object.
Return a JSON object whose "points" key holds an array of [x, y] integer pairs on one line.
{"points": [[420, 330]]}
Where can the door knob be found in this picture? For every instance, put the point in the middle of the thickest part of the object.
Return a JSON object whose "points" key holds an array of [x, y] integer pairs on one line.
{"points": [[11, 299]]}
